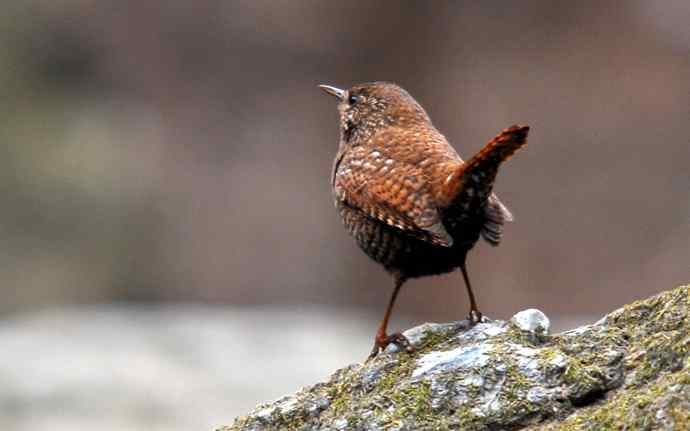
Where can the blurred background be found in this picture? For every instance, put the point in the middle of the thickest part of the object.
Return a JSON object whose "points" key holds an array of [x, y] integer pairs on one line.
{"points": [[170, 252]]}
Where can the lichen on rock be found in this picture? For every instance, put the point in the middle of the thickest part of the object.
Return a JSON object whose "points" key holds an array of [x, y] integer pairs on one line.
{"points": [[630, 370]]}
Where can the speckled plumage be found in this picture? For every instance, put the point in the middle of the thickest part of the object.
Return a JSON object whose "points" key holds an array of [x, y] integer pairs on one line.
{"points": [[403, 192]]}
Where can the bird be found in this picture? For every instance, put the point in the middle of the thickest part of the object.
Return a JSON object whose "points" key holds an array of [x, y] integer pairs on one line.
{"points": [[405, 195]]}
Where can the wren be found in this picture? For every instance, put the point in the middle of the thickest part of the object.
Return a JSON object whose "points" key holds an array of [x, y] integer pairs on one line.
{"points": [[411, 203]]}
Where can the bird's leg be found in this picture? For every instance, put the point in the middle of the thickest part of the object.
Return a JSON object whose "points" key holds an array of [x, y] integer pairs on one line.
{"points": [[382, 340], [475, 315]]}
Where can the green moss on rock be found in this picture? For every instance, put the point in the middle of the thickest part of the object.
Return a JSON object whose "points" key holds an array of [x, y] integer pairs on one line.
{"points": [[630, 370]]}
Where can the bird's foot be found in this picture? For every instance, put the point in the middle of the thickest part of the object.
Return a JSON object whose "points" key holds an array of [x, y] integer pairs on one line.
{"points": [[381, 342], [475, 317]]}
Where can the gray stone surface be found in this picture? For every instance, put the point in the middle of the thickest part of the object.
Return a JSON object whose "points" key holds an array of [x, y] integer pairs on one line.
{"points": [[126, 367], [630, 370]]}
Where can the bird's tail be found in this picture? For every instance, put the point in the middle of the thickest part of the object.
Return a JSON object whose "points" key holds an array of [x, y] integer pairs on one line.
{"points": [[469, 188]]}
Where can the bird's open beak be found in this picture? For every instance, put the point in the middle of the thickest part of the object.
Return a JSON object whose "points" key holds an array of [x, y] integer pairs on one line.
{"points": [[337, 92]]}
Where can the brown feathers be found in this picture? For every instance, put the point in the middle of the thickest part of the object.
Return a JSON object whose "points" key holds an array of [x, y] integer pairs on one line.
{"points": [[405, 195]]}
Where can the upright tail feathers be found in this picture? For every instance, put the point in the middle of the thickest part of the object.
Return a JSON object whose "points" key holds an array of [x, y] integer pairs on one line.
{"points": [[469, 188], [501, 148]]}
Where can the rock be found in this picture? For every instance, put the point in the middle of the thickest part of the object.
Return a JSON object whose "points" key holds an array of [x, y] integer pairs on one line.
{"points": [[630, 370], [532, 320], [417, 336]]}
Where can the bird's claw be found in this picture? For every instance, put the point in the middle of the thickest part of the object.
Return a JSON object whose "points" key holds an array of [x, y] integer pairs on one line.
{"points": [[397, 338], [475, 317]]}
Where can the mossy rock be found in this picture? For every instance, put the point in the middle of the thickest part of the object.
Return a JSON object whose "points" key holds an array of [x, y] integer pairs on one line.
{"points": [[630, 370]]}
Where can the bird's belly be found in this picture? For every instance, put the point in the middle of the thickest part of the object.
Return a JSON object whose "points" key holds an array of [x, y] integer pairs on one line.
{"points": [[397, 251]]}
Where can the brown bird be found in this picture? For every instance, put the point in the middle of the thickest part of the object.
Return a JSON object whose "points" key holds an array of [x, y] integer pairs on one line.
{"points": [[406, 196]]}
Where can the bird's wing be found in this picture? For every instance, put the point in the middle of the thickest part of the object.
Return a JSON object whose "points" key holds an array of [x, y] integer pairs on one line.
{"points": [[391, 191]]}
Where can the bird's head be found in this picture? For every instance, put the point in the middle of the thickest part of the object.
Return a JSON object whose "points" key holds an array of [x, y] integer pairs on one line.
{"points": [[366, 108]]}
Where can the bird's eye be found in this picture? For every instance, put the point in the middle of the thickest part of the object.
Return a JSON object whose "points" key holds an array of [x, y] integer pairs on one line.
{"points": [[352, 99]]}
